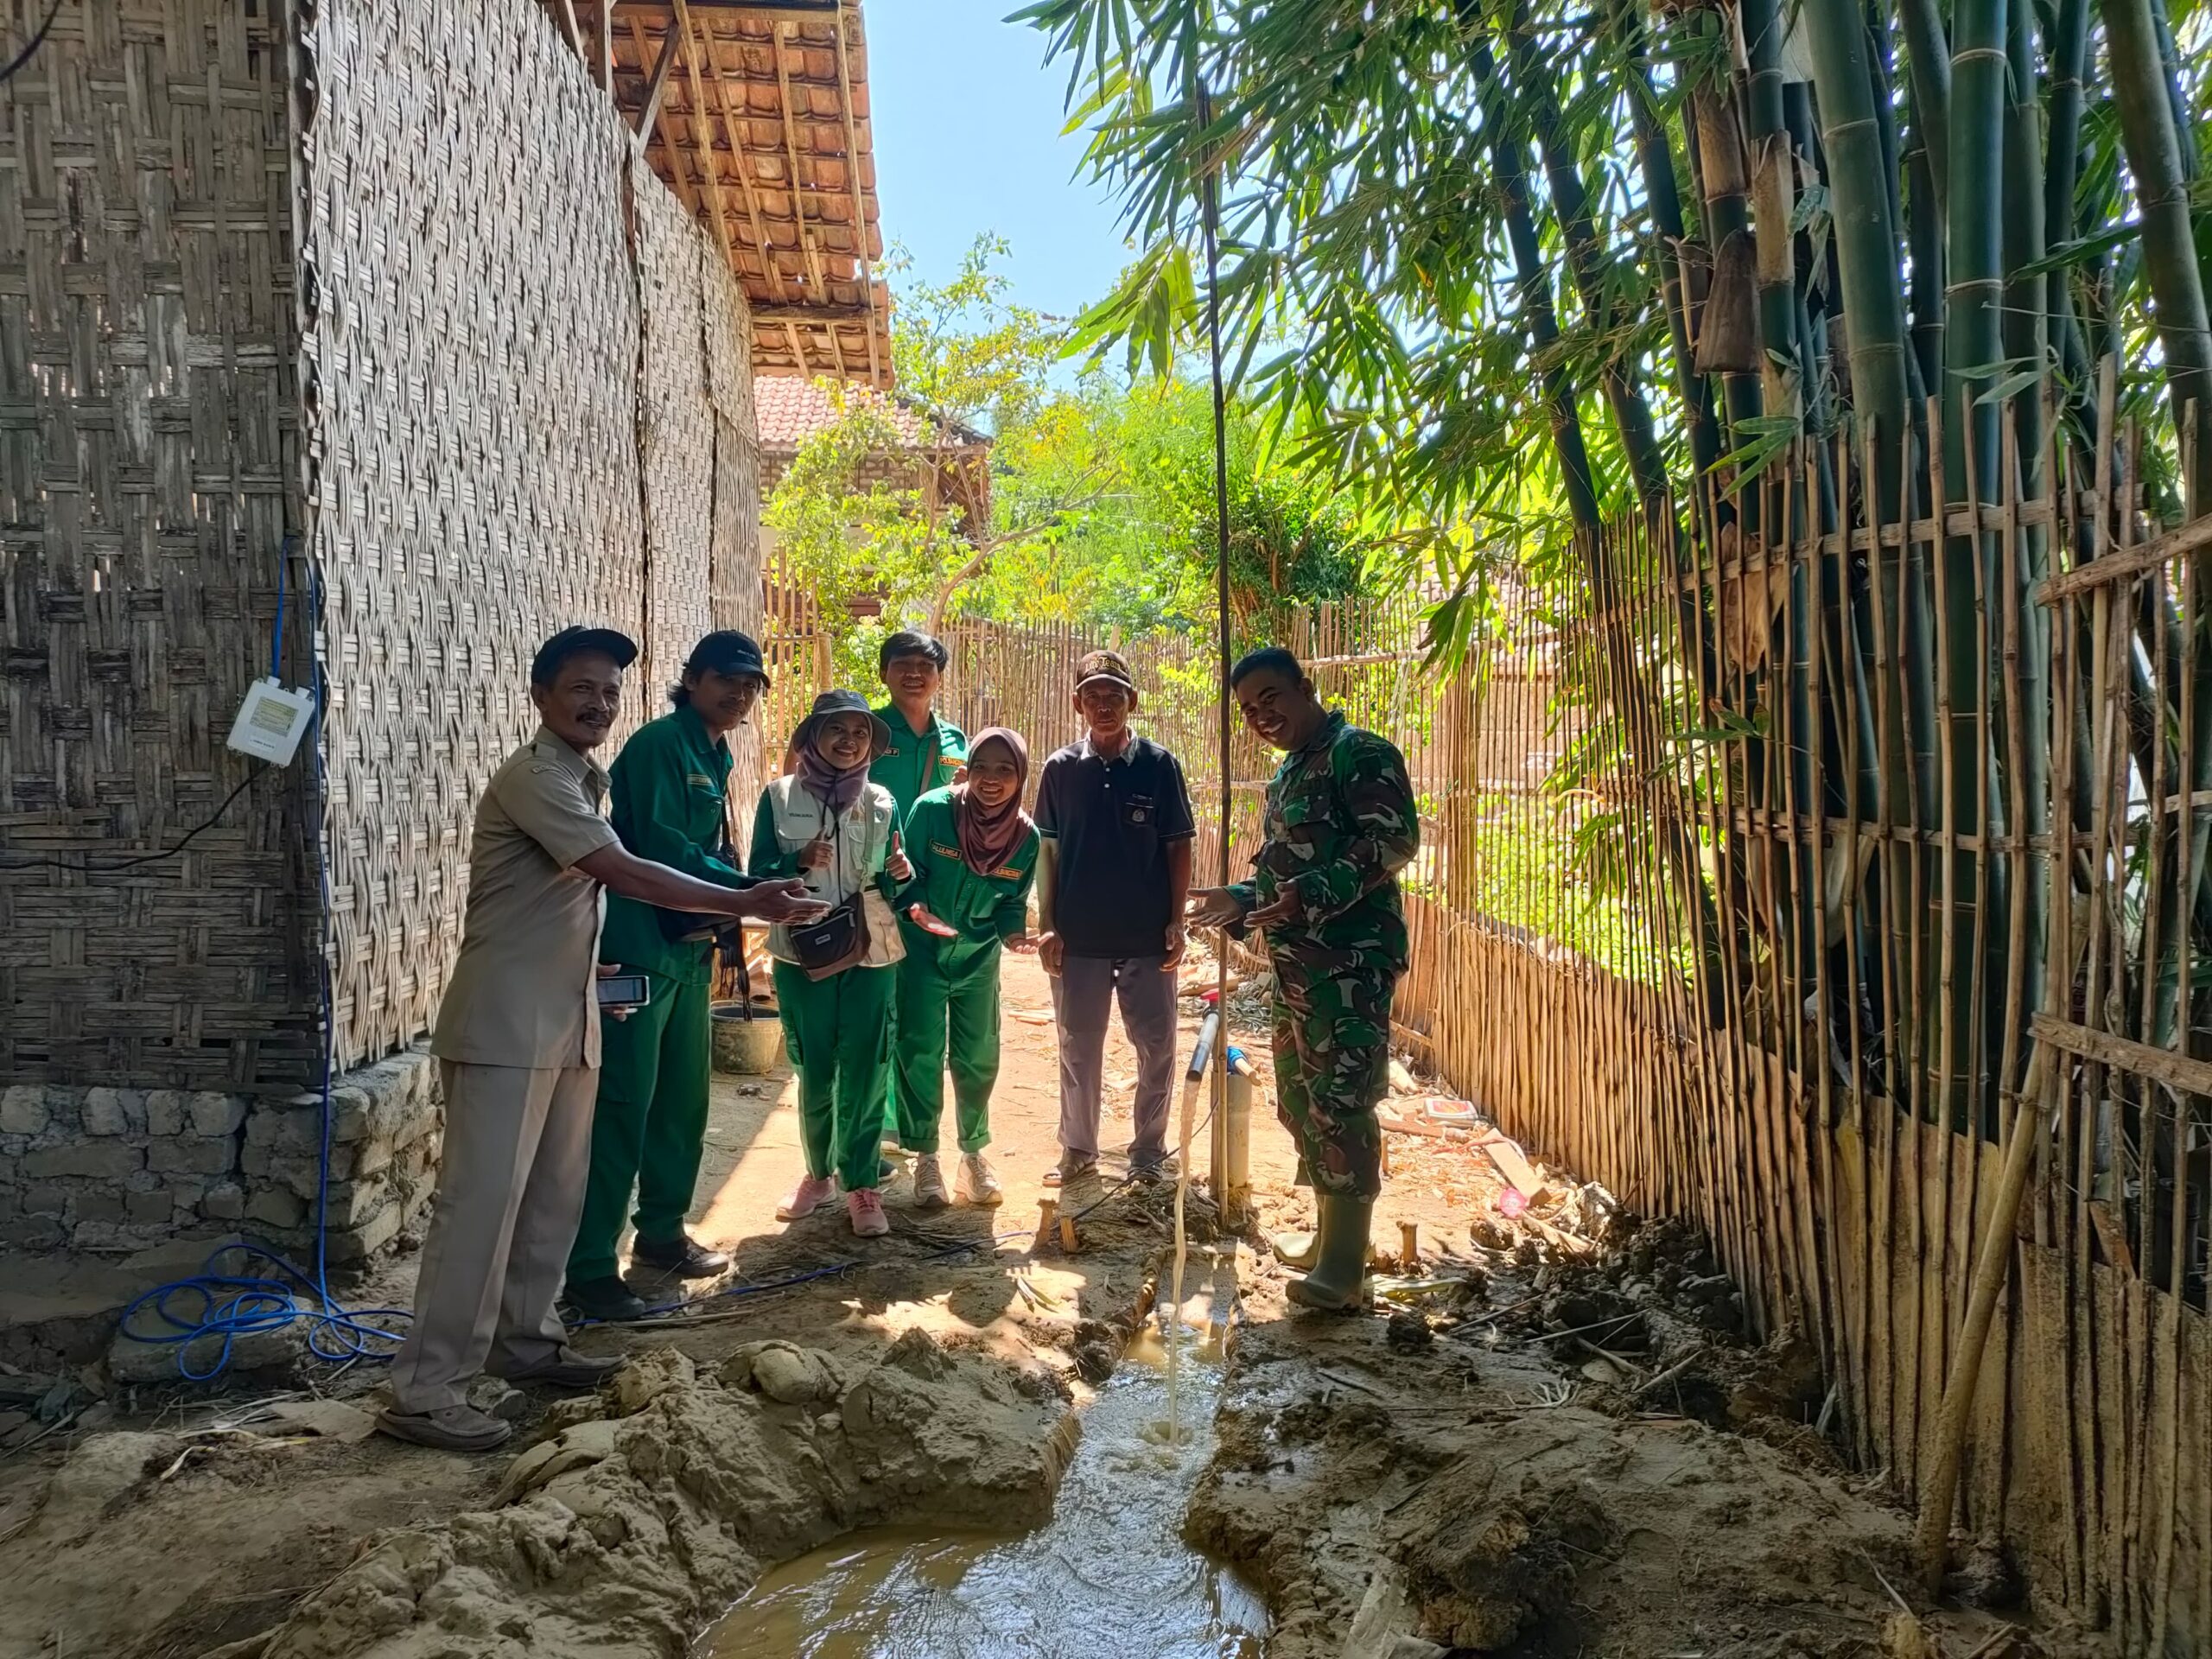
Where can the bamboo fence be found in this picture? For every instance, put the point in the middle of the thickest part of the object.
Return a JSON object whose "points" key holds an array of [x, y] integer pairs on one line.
{"points": [[1723, 902]]}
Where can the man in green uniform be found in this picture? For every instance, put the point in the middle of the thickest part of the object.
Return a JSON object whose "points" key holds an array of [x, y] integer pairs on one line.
{"points": [[974, 856], [670, 804], [1341, 823], [926, 752]]}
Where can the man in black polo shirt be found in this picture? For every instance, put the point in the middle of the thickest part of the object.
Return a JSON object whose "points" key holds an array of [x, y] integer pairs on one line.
{"points": [[1111, 878]]}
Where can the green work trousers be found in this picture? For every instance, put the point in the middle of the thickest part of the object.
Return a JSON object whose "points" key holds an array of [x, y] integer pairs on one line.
{"points": [[935, 1004], [894, 1123], [838, 1031], [648, 1128]]}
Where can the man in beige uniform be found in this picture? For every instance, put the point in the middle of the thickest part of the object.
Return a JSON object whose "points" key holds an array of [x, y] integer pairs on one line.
{"points": [[518, 1047]]}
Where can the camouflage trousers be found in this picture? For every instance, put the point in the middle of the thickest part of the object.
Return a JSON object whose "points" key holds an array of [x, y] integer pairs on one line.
{"points": [[1333, 1058]]}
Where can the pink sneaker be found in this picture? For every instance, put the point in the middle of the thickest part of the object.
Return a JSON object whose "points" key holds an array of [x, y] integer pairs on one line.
{"points": [[866, 1209], [809, 1196]]}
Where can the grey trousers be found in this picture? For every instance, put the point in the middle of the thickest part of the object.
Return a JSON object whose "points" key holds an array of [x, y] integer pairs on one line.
{"points": [[1082, 995], [511, 1188]]}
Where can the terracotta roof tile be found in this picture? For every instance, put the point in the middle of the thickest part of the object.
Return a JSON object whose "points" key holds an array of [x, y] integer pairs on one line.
{"points": [[788, 410]]}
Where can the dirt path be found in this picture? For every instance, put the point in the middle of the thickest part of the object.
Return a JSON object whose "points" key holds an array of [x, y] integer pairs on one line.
{"points": [[217, 1547], [1470, 1477]]}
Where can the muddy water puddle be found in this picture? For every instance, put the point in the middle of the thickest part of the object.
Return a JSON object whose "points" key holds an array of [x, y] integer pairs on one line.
{"points": [[1109, 1577]]}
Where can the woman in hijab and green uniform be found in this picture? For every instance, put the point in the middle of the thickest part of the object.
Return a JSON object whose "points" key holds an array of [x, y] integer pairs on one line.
{"points": [[974, 856], [825, 822]]}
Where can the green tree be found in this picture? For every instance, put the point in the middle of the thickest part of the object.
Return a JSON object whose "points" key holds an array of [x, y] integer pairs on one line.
{"points": [[971, 366], [1141, 554], [1099, 507]]}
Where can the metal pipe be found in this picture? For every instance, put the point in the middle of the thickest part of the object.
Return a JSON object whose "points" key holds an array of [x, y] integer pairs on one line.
{"points": [[1208, 1030]]}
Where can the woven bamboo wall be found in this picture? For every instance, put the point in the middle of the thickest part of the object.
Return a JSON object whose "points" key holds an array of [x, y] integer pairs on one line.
{"points": [[146, 454], [516, 431], [476, 442], [737, 590], [676, 439]]}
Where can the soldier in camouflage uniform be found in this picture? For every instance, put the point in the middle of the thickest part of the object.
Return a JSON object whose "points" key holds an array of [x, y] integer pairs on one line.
{"points": [[1341, 824]]}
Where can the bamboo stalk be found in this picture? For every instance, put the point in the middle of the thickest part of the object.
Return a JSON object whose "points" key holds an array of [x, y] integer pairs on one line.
{"points": [[1510, 155], [1656, 158], [2146, 96], [1939, 1491], [1589, 266], [1773, 195], [1851, 136]]}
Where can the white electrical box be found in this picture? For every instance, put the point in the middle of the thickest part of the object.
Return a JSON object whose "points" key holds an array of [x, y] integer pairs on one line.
{"points": [[272, 722]]}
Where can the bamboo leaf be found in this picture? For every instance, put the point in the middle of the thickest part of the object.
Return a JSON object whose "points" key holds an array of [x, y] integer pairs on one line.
{"points": [[2068, 256], [1728, 727], [1812, 205], [2010, 384], [1770, 438]]}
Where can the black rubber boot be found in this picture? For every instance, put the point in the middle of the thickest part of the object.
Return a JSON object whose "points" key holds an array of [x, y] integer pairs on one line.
{"points": [[1340, 1274]]}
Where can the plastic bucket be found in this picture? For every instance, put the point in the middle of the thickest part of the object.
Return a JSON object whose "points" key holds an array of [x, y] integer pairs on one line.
{"points": [[743, 1047]]}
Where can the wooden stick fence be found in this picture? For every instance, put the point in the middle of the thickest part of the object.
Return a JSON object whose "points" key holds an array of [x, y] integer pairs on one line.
{"points": [[1750, 885]]}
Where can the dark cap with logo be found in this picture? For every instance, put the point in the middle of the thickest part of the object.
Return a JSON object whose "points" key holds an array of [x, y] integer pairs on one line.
{"points": [[575, 642], [727, 651], [1104, 665]]}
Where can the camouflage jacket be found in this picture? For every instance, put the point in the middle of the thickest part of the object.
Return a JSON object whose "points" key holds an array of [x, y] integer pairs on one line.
{"points": [[1341, 824]]}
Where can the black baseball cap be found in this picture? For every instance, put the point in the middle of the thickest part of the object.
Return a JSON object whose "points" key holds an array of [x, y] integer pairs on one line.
{"points": [[574, 642], [727, 651]]}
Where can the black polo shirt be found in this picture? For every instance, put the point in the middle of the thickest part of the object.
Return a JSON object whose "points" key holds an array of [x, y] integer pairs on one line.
{"points": [[1113, 822]]}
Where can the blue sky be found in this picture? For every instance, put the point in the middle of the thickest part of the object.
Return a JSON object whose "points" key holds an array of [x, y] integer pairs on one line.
{"points": [[967, 122]]}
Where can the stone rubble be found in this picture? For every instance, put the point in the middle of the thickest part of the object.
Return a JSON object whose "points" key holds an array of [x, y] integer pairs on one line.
{"points": [[116, 1171]]}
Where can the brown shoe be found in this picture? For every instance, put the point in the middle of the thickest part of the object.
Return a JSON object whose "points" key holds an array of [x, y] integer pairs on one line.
{"points": [[449, 1429]]}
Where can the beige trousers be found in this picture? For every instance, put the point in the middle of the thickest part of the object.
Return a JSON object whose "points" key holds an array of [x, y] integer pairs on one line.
{"points": [[518, 1149]]}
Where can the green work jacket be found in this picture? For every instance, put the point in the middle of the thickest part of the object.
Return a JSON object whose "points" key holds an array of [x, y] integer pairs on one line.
{"points": [[915, 765], [1341, 823], [668, 801], [985, 909]]}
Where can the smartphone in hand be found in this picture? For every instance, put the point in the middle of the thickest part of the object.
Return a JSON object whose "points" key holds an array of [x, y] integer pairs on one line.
{"points": [[624, 990]]}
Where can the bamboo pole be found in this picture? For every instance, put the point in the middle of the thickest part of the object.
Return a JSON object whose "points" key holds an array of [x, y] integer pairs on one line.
{"points": [[1939, 1491]]}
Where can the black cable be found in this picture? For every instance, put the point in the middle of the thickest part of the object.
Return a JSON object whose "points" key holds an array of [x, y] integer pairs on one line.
{"points": [[30, 50], [183, 841]]}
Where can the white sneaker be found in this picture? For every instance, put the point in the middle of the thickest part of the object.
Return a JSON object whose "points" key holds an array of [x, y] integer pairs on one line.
{"points": [[979, 1182], [929, 1182]]}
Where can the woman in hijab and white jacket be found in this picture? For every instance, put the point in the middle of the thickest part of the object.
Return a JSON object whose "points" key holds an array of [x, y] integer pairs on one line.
{"points": [[825, 822]]}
